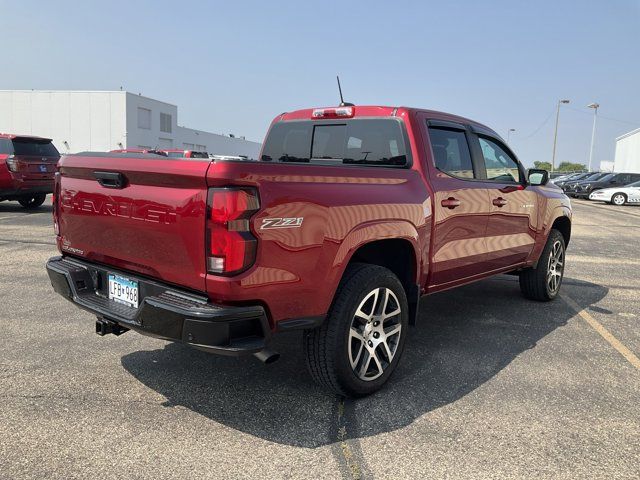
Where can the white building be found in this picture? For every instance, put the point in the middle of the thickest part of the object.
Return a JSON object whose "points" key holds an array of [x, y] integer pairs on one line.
{"points": [[101, 121], [627, 158]]}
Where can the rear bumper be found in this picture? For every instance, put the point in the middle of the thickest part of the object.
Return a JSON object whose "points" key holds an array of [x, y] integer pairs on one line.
{"points": [[164, 311]]}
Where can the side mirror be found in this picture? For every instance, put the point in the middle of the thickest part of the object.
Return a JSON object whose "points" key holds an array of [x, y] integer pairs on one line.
{"points": [[537, 177]]}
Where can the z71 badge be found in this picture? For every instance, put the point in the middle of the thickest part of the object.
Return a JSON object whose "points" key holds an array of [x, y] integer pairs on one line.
{"points": [[292, 222]]}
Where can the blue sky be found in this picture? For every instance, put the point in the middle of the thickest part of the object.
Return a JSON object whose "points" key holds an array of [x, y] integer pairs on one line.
{"points": [[233, 66]]}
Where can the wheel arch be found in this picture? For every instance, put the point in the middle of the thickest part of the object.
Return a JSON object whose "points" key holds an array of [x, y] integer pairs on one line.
{"points": [[393, 245], [563, 225]]}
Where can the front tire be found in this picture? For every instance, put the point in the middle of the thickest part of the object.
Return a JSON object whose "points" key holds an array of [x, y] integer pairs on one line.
{"points": [[618, 199], [542, 283], [32, 201], [358, 346]]}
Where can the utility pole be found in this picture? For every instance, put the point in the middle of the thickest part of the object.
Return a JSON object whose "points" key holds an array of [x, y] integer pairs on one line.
{"points": [[555, 135], [595, 107], [509, 133]]}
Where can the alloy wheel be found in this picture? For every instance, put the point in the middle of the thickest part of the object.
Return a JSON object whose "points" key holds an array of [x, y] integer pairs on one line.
{"points": [[374, 334], [555, 266], [618, 199]]}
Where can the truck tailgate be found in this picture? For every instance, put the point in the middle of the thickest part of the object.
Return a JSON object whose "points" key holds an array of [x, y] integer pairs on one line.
{"points": [[143, 213]]}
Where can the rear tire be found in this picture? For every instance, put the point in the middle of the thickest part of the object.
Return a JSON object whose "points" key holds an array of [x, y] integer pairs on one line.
{"points": [[542, 283], [32, 201], [618, 199], [358, 346]]}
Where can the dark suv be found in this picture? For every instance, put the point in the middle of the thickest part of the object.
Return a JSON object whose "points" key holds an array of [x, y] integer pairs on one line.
{"points": [[27, 167], [584, 188]]}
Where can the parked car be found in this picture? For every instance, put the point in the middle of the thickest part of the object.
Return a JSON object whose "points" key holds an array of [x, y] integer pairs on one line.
{"points": [[27, 167], [572, 178], [185, 154], [618, 195], [350, 215], [583, 189], [570, 187]]}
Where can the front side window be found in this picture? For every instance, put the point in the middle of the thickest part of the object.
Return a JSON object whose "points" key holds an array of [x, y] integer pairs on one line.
{"points": [[501, 167], [451, 153], [351, 142]]}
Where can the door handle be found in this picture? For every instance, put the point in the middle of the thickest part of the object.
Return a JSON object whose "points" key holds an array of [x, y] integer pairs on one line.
{"points": [[110, 179], [499, 202], [450, 203]]}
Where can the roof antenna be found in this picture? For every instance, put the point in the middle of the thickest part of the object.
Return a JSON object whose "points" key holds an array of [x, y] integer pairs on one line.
{"points": [[342, 102]]}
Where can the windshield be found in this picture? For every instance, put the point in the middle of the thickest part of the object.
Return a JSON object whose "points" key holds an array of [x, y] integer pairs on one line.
{"points": [[578, 176], [606, 177], [36, 148], [175, 154], [358, 141]]}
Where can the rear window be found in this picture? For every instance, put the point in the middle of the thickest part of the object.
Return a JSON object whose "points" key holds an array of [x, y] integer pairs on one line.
{"points": [[34, 148], [352, 142]]}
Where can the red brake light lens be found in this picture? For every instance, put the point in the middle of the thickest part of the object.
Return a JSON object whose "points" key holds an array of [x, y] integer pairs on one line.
{"points": [[230, 244], [335, 112], [55, 199]]}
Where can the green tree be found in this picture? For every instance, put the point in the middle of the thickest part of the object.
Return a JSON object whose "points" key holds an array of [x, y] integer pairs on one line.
{"points": [[571, 167], [542, 165]]}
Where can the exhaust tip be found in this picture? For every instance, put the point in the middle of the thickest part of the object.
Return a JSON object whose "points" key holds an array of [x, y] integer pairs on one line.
{"points": [[267, 356]]}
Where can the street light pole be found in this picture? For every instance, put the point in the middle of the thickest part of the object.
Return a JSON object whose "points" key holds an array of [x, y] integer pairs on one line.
{"points": [[509, 133], [555, 135], [595, 107]]}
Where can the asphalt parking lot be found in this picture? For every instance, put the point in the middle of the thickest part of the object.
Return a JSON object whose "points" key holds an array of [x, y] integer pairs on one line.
{"points": [[491, 385]]}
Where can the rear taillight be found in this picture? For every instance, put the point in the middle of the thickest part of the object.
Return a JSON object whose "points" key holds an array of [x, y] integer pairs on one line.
{"points": [[55, 198], [12, 163], [231, 248]]}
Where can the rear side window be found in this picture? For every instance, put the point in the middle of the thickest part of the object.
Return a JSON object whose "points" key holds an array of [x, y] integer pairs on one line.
{"points": [[451, 152], [6, 147], [353, 142], [34, 148]]}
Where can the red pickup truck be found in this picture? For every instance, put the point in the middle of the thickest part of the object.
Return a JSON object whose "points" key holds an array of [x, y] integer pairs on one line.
{"points": [[348, 217], [27, 166]]}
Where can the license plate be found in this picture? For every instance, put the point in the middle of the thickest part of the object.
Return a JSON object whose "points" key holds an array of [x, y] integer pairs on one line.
{"points": [[123, 290]]}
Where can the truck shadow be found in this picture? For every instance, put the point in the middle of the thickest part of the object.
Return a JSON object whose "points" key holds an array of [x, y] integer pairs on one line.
{"points": [[15, 207], [464, 338]]}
